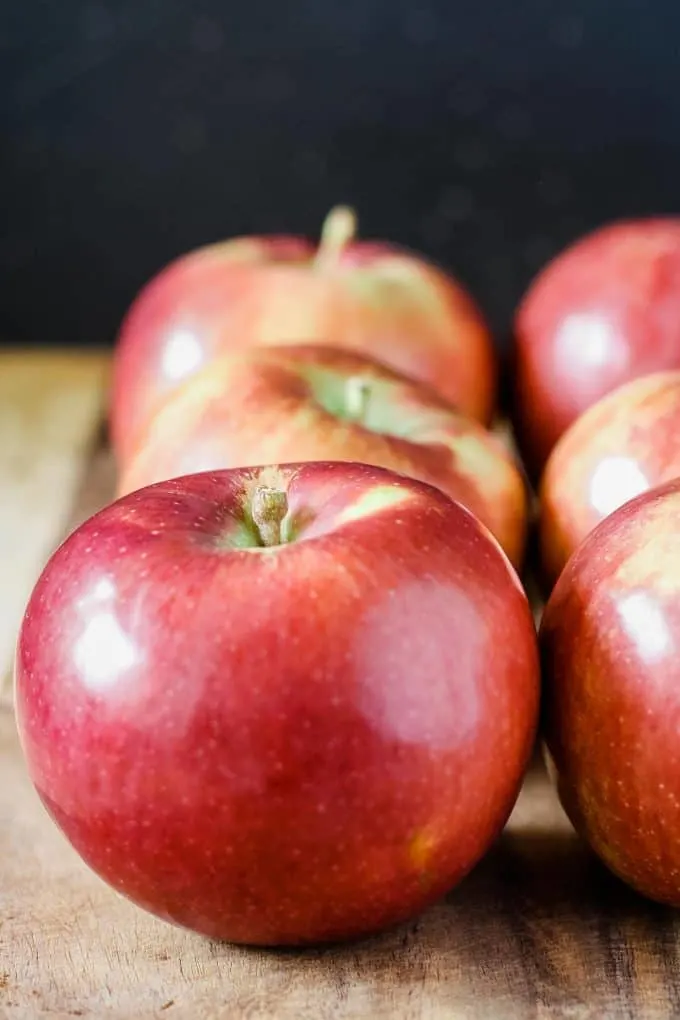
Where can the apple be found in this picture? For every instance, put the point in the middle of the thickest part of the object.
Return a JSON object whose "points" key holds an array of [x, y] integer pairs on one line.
{"points": [[605, 311], [372, 298], [308, 402], [624, 445], [279, 705], [609, 644]]}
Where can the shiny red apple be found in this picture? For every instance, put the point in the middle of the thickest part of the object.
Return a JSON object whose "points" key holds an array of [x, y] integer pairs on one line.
{"points": [[372, 298], [610, 640], [279, 705], [303, 403], [626, 444], [605, 311]]}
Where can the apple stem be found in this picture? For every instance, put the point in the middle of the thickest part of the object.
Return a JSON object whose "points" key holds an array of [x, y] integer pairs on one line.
{"points": [[338, 230], [357, 394], [268, 508]]}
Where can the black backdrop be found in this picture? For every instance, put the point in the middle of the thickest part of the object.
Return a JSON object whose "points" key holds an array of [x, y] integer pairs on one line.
{"points": [[487, 134]]}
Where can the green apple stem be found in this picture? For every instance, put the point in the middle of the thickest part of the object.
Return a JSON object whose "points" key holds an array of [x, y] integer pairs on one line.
{"points": [[357, 395], [339, 229], [268, 508]]}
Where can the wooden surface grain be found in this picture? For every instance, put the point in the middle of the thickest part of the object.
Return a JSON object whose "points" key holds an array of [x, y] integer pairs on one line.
{"points": [[538, 931], [50, 412]]}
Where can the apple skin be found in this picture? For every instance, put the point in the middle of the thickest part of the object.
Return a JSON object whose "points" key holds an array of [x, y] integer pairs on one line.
{"points": [[609, 640], [372, 298], [623, 446], [605, 311], [301, 403], [283, 745]]}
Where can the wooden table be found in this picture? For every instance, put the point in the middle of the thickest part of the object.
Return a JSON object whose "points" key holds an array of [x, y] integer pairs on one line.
{"points": [[539, 930]]}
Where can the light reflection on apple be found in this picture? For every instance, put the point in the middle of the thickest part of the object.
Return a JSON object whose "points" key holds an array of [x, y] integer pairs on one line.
{"points": [[594, 337], [614, 481], [645, 623], [104, 652], [182, 355]]}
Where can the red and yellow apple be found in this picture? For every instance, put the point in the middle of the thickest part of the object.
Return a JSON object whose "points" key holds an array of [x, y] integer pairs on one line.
{"points": [[609, 643], [372, 298], [605, 311], [624, 445], [305, 403], [279, 705]]}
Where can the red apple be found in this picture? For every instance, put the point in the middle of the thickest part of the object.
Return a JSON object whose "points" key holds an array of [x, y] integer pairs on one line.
{"points": [[279, 705], [372, 298], [609, 640], [605, 311], [625, 445], [303, 403]]}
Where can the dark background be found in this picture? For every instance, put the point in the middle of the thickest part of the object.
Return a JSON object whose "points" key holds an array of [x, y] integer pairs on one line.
{"points": [[487, 134]]}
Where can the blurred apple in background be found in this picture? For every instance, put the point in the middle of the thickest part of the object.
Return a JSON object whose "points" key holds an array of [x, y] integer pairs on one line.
{"points": [[369, 297], [279, 705], [308, 402], [605, 311], [627, 443], [610, 644]]}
